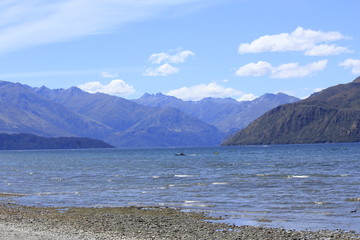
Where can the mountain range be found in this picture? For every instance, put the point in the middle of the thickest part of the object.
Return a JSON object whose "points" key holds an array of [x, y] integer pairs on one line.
{"points": [[134, 125], [332, 115], [227, 114], [123, 123]]}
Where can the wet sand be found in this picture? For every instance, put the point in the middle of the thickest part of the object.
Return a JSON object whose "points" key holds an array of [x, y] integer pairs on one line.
{"points": [[23, 222]]}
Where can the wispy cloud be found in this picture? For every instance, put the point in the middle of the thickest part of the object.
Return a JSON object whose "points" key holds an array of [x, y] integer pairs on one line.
{"points": [[198, 92], [75, 73], [28, 23], [178, 57], [260, 68], [354, 64], [115, 87], [108, 75], [59, 73], [295, 70], [288, 70], [312, 43]]}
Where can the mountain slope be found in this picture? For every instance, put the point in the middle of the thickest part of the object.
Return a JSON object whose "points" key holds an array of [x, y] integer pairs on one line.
{"points": [[21, 110], [136, 125], [170, 127], [115, 112], [332, 115], [228, 115]]}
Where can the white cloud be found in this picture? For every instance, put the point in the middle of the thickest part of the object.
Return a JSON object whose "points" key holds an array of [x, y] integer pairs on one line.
{"points": [[354, 64], [325, 50], [246, 97], [167, 58], [288, 70], [115, 87], [294, 70], [254, 69], [108, 75], [164, 70], [163, 57], [201, 91], [301, 39], [27, 23]]}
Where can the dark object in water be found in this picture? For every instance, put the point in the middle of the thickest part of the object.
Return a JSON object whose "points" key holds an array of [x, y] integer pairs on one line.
{"points": [[180, 154]]}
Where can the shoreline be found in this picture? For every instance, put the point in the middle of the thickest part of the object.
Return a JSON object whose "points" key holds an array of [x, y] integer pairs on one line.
{"points": [[28, 222]]}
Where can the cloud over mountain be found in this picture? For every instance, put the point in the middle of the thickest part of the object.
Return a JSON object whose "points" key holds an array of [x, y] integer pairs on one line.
{"points": [[215, 90], [115, 87]]}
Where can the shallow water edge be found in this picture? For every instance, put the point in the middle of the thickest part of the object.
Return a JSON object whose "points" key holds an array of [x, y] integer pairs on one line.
{"points": [[25, 222]]}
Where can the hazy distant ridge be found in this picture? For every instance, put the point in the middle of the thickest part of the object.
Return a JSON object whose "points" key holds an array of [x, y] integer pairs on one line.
{"points": [[29, 141], [227, 114], [151, 121], [75, 113]]}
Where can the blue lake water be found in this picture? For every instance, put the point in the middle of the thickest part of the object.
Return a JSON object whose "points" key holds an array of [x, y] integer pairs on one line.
{"points": [[292, 186]]}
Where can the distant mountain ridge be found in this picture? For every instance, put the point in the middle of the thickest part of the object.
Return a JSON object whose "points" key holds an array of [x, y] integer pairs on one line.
{"points": [[227, 114], [332, 115], [23, 111], [136, 125], [75, 113], [29, 142], [151, 121]]}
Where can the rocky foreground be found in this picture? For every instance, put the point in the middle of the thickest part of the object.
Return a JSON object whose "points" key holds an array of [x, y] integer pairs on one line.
{"points": [[30, 223]]}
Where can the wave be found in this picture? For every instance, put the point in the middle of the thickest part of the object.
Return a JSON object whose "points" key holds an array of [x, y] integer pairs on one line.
{"points": [[184, 176], [321, 203], [193, 201], [55, 193], [298, 176], [220, 183], [355, 199], [282, 176], [5, 194], [199, 204]]}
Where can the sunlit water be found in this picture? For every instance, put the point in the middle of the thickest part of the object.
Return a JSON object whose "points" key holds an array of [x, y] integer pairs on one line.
{"points": [[292, 186]]}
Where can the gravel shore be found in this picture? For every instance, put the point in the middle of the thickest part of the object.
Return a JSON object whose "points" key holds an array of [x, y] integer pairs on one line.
{"points": [[30, 223]]}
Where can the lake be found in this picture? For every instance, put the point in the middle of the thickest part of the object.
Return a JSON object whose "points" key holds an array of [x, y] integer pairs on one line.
{"points": [[312, 186]]}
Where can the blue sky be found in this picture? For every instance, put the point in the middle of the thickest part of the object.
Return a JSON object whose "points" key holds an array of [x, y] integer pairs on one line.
{"points": [[190, 49]]}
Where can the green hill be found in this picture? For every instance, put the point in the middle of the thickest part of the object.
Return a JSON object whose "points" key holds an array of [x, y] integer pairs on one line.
{"points": [[332, 115]]}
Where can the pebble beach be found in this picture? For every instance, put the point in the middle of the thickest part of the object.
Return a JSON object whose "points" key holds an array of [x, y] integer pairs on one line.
{"points": [[30, 223]]}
